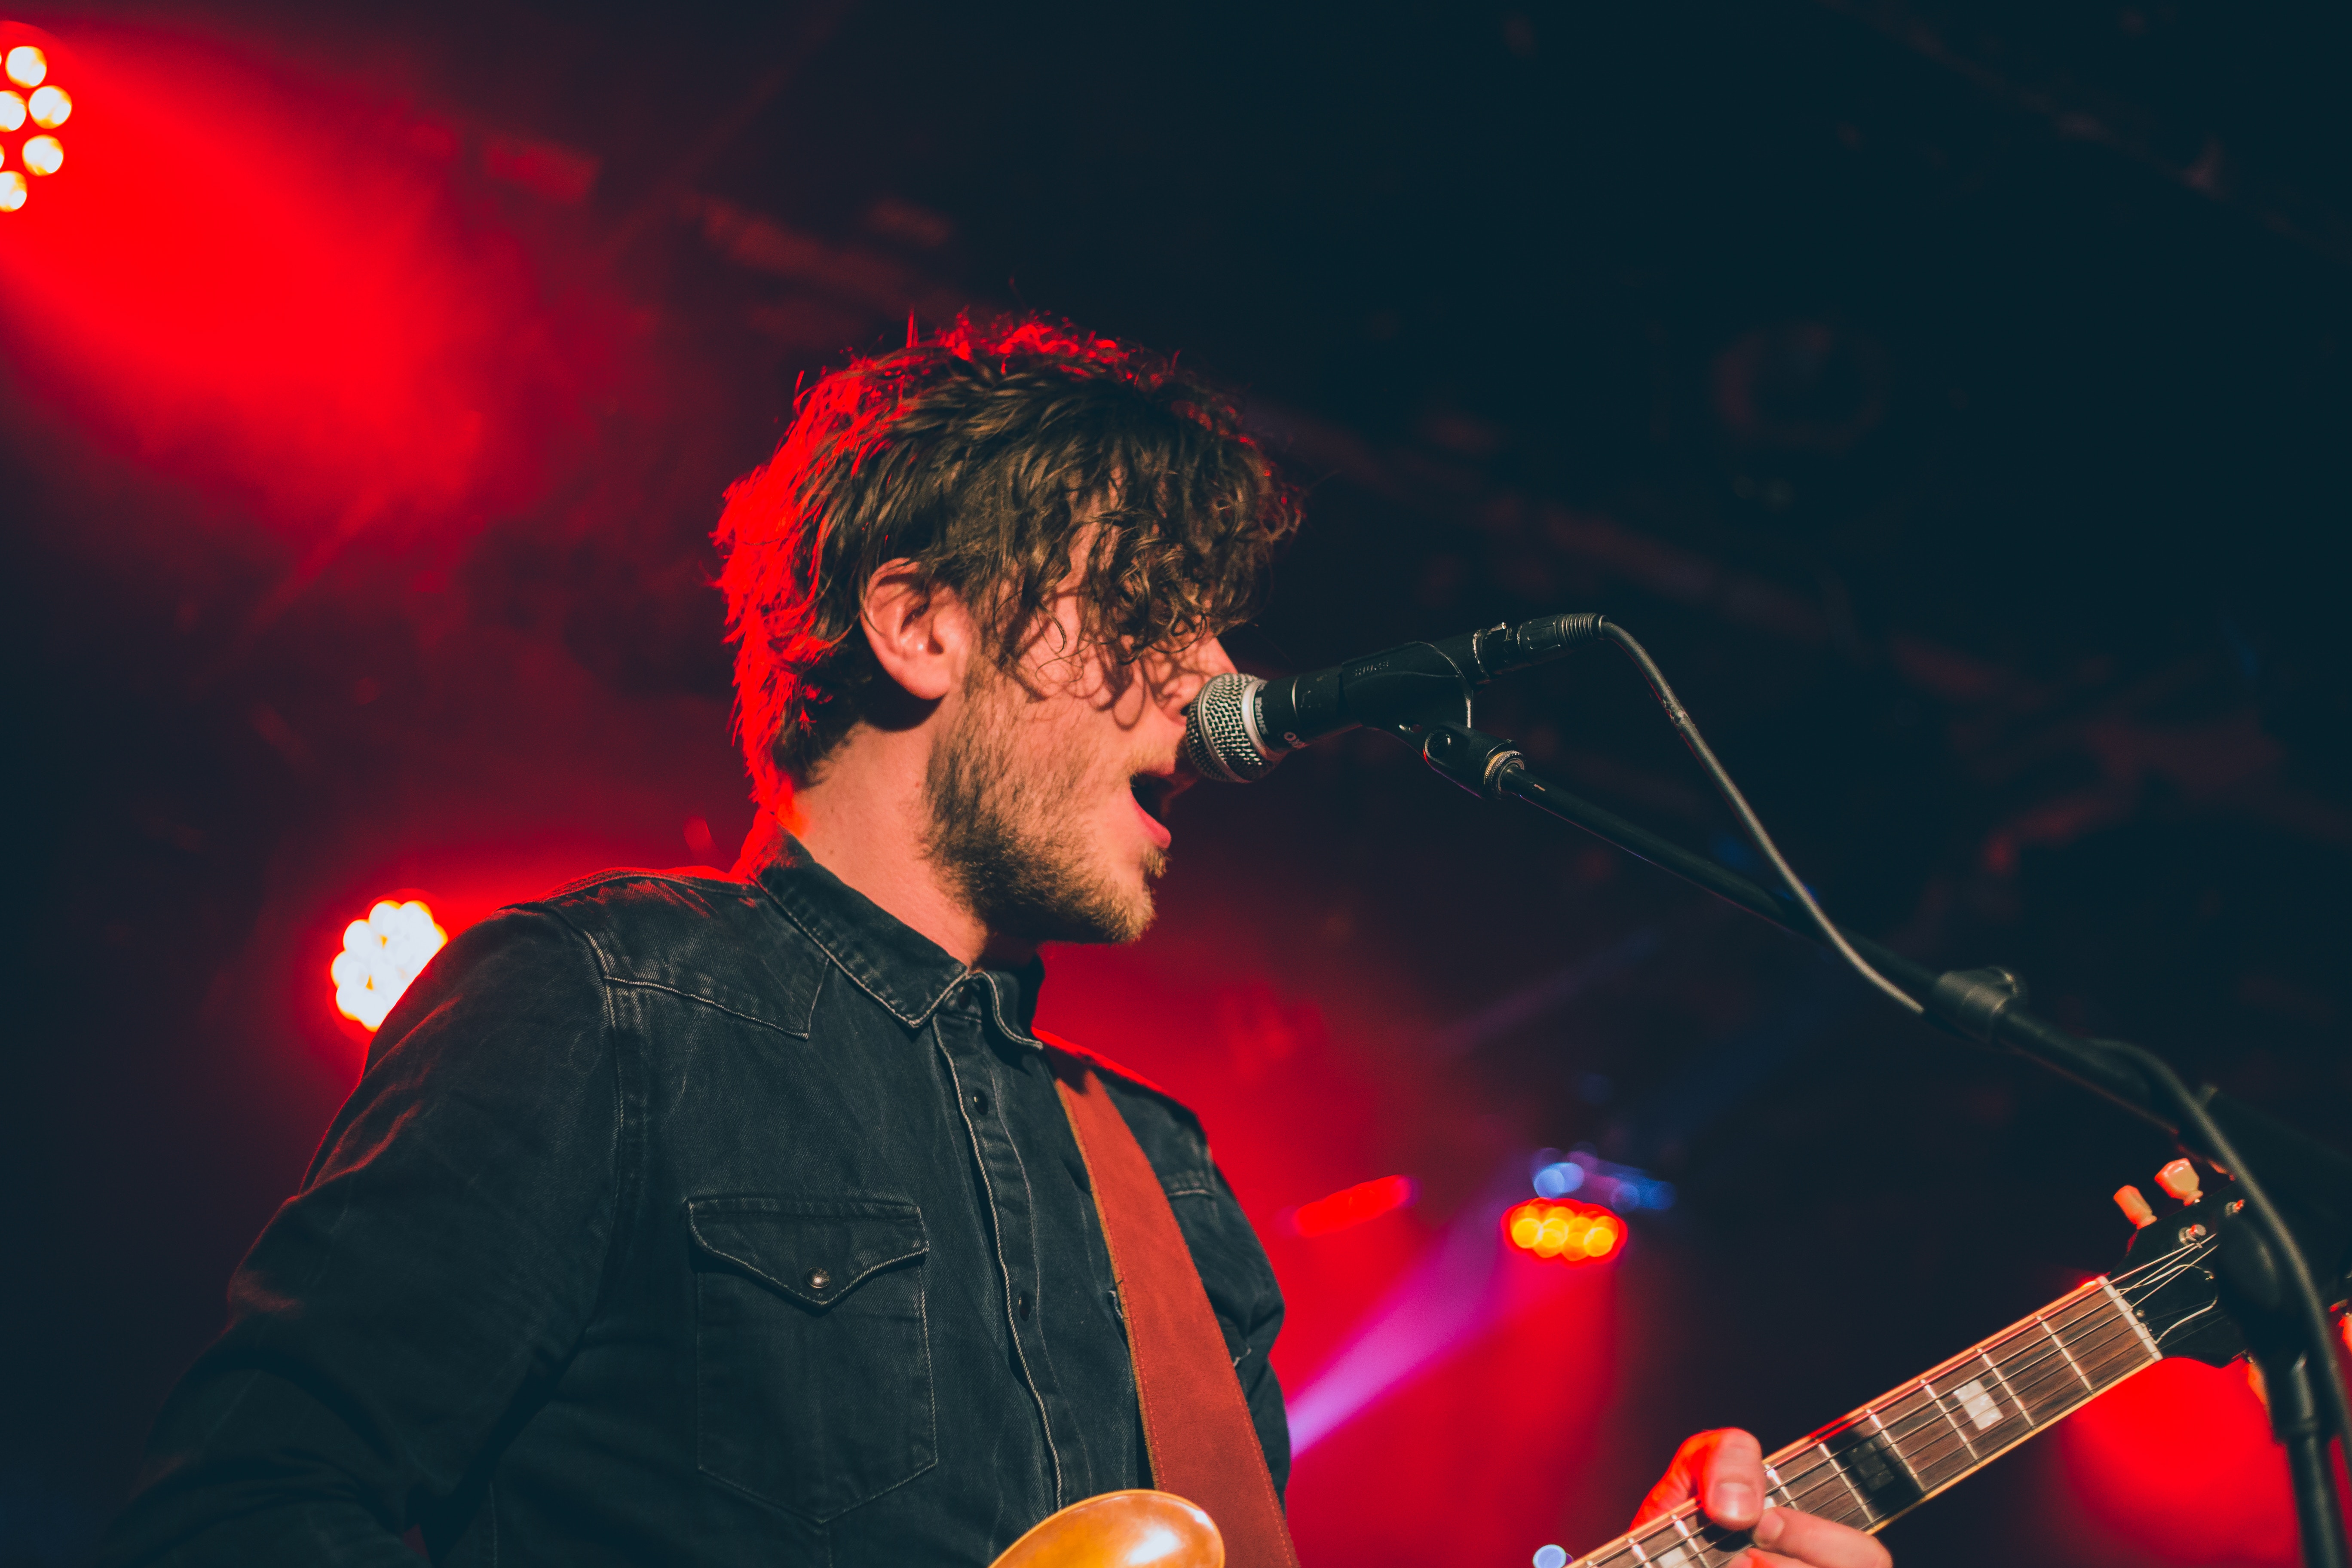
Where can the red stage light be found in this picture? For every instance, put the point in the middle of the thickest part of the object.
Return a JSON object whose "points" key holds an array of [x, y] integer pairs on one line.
{"points": [[12, 110], [381, 955], [49, 107], [43, 155], [27, 65], [1573, 1233], [1352, 1206]]}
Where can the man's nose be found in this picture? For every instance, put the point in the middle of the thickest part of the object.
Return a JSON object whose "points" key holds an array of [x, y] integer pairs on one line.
{"points": [[1194, 667]]}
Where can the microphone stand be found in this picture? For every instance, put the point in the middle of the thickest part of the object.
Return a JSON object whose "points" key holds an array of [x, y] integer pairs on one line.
{"points": [[2268, 1283]]}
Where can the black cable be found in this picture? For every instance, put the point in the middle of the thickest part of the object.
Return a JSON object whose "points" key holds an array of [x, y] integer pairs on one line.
{"points": [[1688, 728], [2324, 1551]]}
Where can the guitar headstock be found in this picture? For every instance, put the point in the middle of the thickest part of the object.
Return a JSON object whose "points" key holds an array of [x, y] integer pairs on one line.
{"points": [[2172, 1276]]}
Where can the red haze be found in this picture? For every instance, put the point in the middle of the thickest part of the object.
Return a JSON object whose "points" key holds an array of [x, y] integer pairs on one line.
{"points": [[277, 288]]}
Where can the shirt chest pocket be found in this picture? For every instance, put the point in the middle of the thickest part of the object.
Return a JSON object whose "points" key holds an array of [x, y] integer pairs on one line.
{"points": [[813, 1364]]}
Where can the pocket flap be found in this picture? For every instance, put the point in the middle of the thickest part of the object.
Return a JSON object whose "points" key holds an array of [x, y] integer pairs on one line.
{"points": [[815, 1250]]}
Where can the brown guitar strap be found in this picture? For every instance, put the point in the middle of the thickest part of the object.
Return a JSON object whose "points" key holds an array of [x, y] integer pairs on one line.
{"points": [[1196, 1425]]}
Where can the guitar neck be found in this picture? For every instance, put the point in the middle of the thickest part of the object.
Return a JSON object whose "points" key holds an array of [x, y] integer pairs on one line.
{"points": [[1897, 1452]]}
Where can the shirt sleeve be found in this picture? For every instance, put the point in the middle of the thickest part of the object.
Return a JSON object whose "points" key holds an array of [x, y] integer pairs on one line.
{"points": [[444, 1253]]}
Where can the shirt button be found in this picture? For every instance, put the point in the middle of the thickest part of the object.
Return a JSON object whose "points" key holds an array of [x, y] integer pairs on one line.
{"points": [[1020, 1305], [980, 1102], [818, 1278]]}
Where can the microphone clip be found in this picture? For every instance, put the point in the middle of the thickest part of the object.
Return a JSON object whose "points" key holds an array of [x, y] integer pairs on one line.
{"points": [[1470, 758]]}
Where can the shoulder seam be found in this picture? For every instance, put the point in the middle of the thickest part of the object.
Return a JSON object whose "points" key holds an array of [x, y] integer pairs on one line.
{"points": [[640, 874], [615, 980]]}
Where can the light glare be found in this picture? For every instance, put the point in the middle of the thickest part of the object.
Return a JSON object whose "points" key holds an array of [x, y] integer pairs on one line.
{"points": [[12, 191], [381, 955], [12, 110], [27, 65], [50, 106], [1570, 1232], [1352, 1206], [43, 155]]}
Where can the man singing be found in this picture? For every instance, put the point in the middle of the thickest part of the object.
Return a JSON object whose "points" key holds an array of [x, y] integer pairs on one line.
{"points": [[690, 1219]]}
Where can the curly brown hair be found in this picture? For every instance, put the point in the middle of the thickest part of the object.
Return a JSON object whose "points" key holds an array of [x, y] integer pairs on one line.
{"points": [[987, 454]]}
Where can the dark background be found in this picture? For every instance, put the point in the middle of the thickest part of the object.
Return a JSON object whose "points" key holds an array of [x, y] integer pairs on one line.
{"points": [[1952, 396]]}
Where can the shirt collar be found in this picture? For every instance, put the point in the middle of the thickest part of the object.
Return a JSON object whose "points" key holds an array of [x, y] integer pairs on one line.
{"points": [[890, 960]]}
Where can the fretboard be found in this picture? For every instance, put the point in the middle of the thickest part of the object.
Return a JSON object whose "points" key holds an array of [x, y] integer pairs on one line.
{"points": [[1898, 1451]]}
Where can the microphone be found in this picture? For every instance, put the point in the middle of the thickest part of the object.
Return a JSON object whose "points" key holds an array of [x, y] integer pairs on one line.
{"points": [[1240, 726]]}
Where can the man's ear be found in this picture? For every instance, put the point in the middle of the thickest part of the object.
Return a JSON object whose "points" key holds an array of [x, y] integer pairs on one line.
{"points": [[921, 633]]}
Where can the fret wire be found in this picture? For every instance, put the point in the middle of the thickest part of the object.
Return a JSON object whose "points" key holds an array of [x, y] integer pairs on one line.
{"points": [[2006, 1385], [1699, 1549], [2110, 1339], [1992, 1366], [2133, 1318], [1951, 1420], [2104, 1336], [2060, 1345], [1816, 1468], [2057, 1391], [1919, 1442], [2129, 1361], [2089, 1293], [1893, 1446], [1830, 1460], [2025, 1341], [2098, 1352], [1673, 1525], [2060, 1308], [2096, 1305]]}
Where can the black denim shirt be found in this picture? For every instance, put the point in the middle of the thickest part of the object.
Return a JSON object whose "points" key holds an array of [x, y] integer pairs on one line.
{"points": [[686, 1220]]}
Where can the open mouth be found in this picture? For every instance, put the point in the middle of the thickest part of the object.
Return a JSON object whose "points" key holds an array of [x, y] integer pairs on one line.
{"points": [[1152, 792]]}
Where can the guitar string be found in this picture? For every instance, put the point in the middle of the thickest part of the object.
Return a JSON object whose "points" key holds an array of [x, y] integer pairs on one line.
{"points": [[1806, 1490], [2034, 1370], [1929, 1466], [1803, 1486], [2037, 1373], [2062, 1318], [1827, 1490], [2028, 1381], [2092, 1349], [2107, 1332]]}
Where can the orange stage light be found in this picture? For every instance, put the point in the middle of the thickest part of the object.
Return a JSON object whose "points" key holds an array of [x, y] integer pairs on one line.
{"points": [[381, 955], [43, 155], [12, 110], [27, 65], [12, 191], [1573, 1233], [49, 106]]}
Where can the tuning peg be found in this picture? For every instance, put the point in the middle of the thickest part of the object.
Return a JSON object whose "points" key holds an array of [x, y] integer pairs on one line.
{"points": [[2179, 1179], [2134, 1208]]}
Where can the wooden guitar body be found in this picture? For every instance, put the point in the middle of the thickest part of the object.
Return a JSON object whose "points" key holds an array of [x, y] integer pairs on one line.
{"points": [[1120, 1529]]}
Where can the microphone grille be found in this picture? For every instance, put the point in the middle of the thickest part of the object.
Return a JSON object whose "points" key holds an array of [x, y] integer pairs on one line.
{"points": [[1220, 742]]}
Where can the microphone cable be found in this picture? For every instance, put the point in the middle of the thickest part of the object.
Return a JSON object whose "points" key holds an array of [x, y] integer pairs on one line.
{"points": [[1684, 725]]}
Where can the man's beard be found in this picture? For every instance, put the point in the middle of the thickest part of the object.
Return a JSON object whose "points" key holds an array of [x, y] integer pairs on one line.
{"points": [[1005, 840]]}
